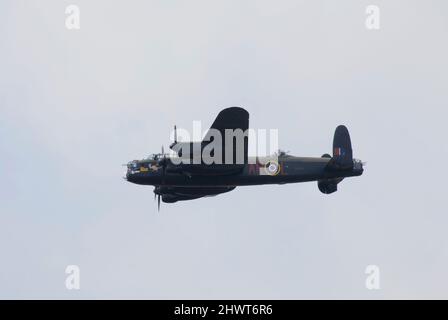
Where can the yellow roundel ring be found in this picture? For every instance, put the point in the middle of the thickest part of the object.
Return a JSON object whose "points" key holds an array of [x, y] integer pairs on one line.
{"points": [[272, 168]]}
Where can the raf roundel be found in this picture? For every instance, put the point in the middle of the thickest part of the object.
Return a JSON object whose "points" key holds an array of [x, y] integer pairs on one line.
{"points": [[273, 168]]}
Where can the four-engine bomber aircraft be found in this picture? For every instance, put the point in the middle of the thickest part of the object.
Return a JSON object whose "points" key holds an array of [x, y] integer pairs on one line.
{"points": [[176, 181]]}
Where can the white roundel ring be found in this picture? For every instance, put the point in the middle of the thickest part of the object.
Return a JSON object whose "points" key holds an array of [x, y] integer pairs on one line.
{"points": [[273, 168]]}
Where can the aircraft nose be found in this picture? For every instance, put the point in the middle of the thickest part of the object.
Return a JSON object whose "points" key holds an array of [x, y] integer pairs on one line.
{"points": [[130, 177], [127, 175]]}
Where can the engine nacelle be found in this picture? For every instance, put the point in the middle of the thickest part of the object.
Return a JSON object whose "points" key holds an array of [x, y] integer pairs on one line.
{"points": [[327, 187], [169, 198]]}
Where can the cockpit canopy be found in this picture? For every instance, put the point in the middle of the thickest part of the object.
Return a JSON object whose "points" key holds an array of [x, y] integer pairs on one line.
{"points": [[154, 156], [148, 164]]}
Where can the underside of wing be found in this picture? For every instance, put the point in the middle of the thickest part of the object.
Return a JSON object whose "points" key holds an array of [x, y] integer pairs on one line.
{"points": [[174, 194]]}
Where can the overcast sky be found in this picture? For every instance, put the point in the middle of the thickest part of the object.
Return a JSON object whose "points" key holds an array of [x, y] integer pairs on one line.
{"points": [[77, 104]]}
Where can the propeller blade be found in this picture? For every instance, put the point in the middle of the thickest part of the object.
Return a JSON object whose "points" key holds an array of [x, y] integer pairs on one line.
{"points": [[163, 173], [175, 134], [158, 203], [163, 163]]}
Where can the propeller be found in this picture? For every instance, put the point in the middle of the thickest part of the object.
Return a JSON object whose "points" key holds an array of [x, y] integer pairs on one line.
{"points": [[175, 137], [162, 163], [175, 134], [158, 204], [163, 166], [157, 195]]}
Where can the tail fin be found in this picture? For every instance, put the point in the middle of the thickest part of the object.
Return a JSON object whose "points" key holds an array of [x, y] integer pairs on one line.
{"points": [[342, 160], [342, 149]]}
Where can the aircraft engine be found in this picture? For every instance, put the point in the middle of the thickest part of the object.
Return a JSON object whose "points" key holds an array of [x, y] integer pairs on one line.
{"points": [[169, 198], [328, 186]]}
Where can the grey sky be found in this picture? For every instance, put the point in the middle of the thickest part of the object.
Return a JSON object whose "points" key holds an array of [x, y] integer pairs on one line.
{"points": [[75, 105]]}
